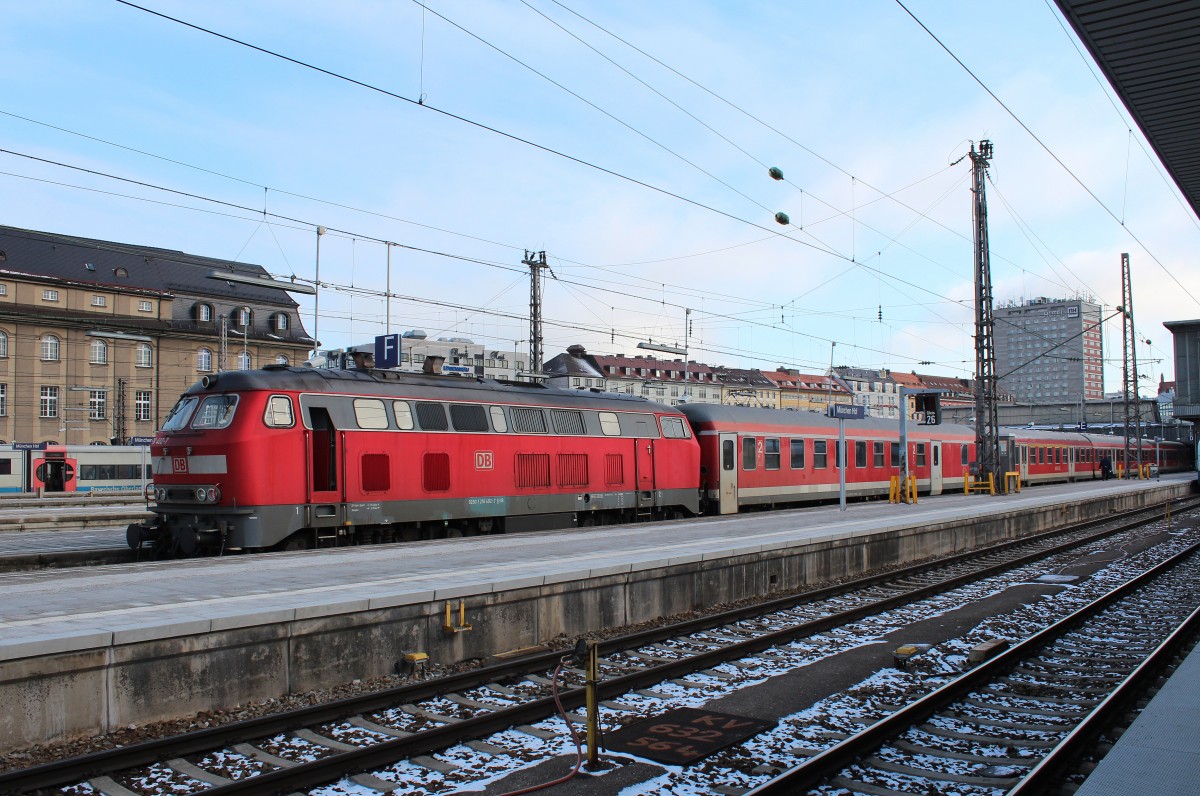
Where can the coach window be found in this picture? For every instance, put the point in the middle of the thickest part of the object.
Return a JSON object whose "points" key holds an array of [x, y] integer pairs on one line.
{"points": [[432, 416], [749, 453], [528, 421], [895, 454], [920, 454], [727, 454], [369, 413], [877, 453], [860, 454], [498, 421], [468, 417], [797, 450], [820, 454], [610, 425], [216, 411], [770, 454], [279, 412], [403, 412]]}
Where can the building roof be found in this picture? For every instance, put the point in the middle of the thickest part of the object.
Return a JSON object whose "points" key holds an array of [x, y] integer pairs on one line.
{"points": [[743, 378], [620, 361], [1150, 52], [794, 380], [128, 267]]}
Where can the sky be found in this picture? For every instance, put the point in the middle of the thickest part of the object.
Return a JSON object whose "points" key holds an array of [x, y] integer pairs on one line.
{"points": [[628, 140]]}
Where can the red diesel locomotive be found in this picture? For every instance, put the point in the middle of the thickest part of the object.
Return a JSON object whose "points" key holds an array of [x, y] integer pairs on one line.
{"points": [[289, 458]]}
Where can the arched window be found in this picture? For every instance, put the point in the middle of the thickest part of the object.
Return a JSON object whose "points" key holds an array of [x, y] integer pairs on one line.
{"points": [[203, 312], [242, 317], [3, 345], [204, 360], [244, 360], [143, 355], [280, 322], [99, 352], [50, 348], [280, 359]]}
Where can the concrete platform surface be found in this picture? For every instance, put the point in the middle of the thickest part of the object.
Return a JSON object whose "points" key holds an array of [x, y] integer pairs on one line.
{"points": [[1158, 754], [50, 612]]}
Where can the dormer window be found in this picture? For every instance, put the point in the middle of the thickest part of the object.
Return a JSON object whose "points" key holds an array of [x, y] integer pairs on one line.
{"points": [[121, 272], [279, 322], [203, 312], [241, 317]]}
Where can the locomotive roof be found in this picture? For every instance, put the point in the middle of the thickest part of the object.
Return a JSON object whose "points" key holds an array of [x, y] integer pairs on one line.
{"points": [[396, 384]]}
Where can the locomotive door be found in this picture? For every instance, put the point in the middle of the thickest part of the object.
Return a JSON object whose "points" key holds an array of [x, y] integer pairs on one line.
{"points": [[935, 468], [324, 465], [643, 462], [727, 479]]}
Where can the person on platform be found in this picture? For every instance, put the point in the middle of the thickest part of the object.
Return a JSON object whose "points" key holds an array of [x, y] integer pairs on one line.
{"points": [[1105, 468]]}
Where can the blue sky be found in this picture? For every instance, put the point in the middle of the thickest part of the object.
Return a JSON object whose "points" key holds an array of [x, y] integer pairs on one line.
{"points": [[862, 110]]}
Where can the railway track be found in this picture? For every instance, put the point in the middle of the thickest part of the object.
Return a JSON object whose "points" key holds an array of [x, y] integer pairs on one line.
{"points": [[509, 705], [1015, 723]]}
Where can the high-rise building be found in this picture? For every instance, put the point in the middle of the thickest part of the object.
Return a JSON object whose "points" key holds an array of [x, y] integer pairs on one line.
{"points": [[1050, 350]]}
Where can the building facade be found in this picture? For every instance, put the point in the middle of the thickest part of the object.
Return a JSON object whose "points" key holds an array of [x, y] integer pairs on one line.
{"points": [[98, 339], [875, 390], [1050, 350], [807, 392]]}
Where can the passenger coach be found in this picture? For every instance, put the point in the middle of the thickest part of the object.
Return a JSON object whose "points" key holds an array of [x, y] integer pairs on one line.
{"points": [[296, 457]]}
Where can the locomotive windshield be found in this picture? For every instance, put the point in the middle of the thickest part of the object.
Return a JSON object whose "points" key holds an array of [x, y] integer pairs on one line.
{"points": [[215, 412], [178, 417]]}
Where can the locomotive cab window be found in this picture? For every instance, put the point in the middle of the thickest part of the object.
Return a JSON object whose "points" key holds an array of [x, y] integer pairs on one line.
{"points": [[179, 416], [369, 413], [216, 411], [675, 428], [279, 412], [610, 424], [403, 412]]}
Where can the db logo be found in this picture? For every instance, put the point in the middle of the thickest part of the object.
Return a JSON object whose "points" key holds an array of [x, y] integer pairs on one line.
{"points": [[179, 464], [483, 460]]}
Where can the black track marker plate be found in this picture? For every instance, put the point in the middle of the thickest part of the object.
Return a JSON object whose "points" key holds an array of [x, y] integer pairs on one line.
{"points": [[683, 736]]}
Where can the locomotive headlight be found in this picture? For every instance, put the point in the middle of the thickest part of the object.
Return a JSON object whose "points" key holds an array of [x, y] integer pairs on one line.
{"points": [[162, 494], [200, 495], [150, 492], [212, 494]]}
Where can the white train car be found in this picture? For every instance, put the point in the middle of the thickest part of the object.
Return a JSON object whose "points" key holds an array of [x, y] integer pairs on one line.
{"points": [[74, 468]]}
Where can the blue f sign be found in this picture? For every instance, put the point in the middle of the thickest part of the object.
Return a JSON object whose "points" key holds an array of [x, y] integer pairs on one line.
{"points": [[387, 351]]}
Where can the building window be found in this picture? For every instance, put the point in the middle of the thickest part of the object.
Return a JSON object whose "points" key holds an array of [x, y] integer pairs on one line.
{"points": [[48, 405], [3, 400], [98, 301], [145, 306], [242, 317], [49, 295], [3, 290], [204, 312], [204, 360], [244, 362], [281, 322], [141, 405], [97, 404], [143, 355], [99, 355], [280, 359], [50, 350], [3, 345]]}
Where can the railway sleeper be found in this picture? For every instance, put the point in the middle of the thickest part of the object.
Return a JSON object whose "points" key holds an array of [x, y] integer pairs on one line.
{"points": [[372, 782], [110, 787], [1064, 705], [382, 729], [858, 786], [254, 753], [918, 749], [413, 710], [181, 766], [324, 740], [999, 740], [943, 776]]}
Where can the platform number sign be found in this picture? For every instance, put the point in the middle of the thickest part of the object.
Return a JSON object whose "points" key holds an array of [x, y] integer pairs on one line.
{"points": [[484, 460], [387, 351], [680, 736]]}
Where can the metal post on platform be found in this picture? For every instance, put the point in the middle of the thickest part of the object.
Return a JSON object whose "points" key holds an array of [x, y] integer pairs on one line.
{"points": [[842, 459], [593, 706]]}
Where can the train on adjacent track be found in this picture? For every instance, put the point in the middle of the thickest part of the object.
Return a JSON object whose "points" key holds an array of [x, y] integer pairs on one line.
{"points": [[50, 469], [293, 458]]}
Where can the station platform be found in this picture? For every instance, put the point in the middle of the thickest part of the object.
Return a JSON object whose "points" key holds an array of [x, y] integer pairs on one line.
{"points": [[1158, 753], [86, 650]]}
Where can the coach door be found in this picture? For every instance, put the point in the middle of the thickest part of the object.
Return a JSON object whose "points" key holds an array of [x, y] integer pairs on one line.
{"points": [[727, 483], [935, 468]]}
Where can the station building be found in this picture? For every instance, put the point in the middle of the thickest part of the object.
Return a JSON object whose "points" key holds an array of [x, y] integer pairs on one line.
{"points": [[98, 338]]}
